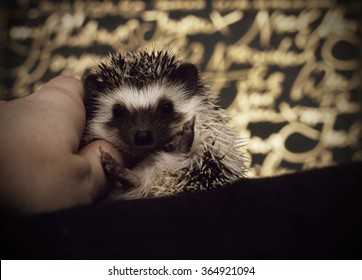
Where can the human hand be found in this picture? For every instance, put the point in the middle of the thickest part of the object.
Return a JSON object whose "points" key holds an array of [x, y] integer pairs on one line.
{"points": [[41, 168]]}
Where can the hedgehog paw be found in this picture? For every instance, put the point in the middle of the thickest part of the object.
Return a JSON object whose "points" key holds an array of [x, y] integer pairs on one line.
{"points": [[172, 145], [187, 137], [123, 175], [182, 141]]}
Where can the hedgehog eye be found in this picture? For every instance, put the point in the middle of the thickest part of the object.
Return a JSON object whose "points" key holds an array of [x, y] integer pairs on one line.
{"points": [[118, 111], [167, 108]]}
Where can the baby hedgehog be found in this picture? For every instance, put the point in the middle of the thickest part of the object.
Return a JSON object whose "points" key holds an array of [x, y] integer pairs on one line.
{"points": [[158, 112]]}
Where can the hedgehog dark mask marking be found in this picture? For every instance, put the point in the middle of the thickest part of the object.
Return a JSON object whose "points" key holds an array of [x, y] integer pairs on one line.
{"points": [[157, 110]]}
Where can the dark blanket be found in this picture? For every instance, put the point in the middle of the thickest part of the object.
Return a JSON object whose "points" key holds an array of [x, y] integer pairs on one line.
{"points": [[315, 214]]}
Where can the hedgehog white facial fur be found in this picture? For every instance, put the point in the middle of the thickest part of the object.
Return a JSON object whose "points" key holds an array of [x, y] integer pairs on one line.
{"points": [[157, 110]]}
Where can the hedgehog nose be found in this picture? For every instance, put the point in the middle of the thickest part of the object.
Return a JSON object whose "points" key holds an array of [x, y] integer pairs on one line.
{"points": [[143, 138]]}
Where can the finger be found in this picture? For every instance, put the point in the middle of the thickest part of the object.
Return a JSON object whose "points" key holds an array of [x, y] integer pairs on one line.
{"points": [[66, 85], [62, 98], [99, 183]]}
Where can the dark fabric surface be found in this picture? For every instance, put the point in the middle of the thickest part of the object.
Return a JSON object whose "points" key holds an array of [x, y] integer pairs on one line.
{"points": [[314, 214]]}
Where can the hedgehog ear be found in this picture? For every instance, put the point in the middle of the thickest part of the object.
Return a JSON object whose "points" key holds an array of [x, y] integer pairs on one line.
{"points": [[92, 88], [186, 73], [92, 84]]}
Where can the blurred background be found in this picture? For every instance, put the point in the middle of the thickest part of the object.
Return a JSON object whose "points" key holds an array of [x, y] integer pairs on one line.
{"points": [[288, 72]]}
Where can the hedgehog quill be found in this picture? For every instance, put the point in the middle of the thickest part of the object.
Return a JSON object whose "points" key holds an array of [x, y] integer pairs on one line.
{"points": [[158, 111]]}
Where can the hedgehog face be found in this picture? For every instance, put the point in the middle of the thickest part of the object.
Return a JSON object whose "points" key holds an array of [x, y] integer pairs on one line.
{"points": [[143, 120], [139, 103]]}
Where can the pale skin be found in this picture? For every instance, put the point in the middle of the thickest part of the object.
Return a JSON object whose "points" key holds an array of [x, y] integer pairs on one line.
{"points": [[41, 168]]}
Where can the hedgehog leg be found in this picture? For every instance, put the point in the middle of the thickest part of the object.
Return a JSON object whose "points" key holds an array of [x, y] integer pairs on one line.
{"points": [[173, 143], [120, 173], [182, 141], [187, 137]]}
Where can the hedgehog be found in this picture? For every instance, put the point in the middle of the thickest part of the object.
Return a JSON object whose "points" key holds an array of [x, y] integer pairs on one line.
{"points": [[157, 110]]}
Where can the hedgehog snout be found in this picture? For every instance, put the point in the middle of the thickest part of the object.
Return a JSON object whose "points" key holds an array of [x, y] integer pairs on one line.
{"points": [[143, 138]]}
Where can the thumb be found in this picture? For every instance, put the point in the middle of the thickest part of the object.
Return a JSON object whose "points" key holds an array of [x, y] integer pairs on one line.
{"points": [[99, 183]]}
